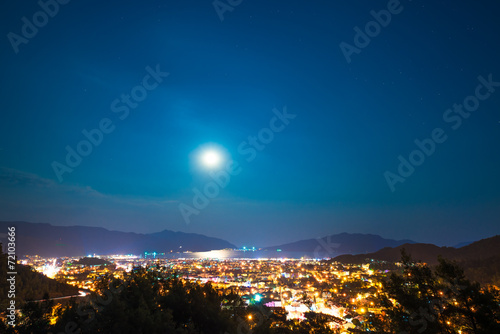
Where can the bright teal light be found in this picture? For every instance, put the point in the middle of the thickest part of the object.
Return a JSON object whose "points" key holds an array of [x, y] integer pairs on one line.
{"points": [[257, 298]]}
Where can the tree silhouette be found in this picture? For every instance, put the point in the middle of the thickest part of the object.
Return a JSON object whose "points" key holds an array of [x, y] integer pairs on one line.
{"points": [[420, 300], [472, 309]]}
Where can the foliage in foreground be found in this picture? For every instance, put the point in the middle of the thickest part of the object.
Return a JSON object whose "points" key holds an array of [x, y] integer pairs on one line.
{"points": [[422, 300]]}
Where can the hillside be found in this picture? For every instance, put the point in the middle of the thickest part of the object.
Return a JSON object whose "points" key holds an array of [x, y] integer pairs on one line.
{"points": [[31, 285], [480, 259], [427, 253]]}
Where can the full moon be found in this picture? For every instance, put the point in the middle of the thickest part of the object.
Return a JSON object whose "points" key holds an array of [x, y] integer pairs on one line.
{"points": [[211, 158]]}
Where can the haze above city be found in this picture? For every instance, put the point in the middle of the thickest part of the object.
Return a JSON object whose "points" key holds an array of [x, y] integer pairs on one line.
{"points": [[264, 124]]}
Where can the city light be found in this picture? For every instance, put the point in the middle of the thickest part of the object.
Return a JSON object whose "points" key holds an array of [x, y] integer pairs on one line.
{"points": [[292, 285]]}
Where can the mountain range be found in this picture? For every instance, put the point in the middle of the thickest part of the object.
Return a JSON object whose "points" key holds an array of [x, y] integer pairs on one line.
{"points": [[343, 243], [480, 259], [57, 241], [480, 250]]}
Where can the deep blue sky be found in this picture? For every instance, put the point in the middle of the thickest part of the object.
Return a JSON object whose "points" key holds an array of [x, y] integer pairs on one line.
{"points": [[323, 174]]}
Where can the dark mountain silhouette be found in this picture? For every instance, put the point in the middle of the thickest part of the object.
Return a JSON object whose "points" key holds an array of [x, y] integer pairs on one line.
{"points": [[427, 253], [344, 243], [58, 241], [480, 250], [462, 244], [480, 259]]}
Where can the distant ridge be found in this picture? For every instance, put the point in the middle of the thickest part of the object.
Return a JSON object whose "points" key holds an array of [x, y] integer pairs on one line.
{"points": [[57, 241], [343, 243], [482, 249], [462, 244], [480, 259], [424, 252]]}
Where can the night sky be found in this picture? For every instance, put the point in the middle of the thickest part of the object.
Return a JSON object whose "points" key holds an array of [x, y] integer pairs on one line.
{"points": [[316, 116]]}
